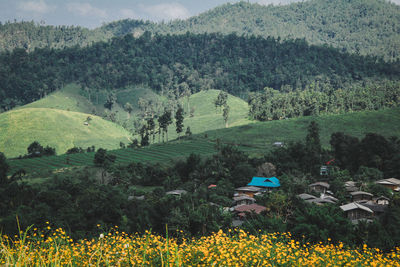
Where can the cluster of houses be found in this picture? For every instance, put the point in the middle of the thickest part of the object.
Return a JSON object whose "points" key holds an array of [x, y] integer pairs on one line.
{"points": [[244, 202], [364, 206]]}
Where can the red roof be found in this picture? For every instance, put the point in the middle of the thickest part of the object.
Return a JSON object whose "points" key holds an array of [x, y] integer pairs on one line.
{"points": [[212, 186], [250, 208]]}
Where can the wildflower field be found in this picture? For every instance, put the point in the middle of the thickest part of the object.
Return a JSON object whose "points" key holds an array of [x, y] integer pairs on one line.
{"points": [[234, 248]]}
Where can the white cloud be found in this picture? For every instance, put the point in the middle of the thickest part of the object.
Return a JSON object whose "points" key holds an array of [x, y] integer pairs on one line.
{"points": [[167, 11], [86, 9], [37, 7], [127, 13]]}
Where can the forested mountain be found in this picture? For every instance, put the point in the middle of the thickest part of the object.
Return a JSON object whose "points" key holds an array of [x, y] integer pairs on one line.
{"points": [[182, 64], [358, 26], [31, 35]]}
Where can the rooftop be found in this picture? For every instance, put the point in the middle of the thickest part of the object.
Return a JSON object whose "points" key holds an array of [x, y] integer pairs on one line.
{"points": [[264, 182], [323, 184], [354, 206], [250, 208]]}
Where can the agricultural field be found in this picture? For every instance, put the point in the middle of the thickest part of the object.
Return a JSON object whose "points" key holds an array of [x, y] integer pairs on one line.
{"points": [[161, 153], [262, 135], [233, 248], [254, 138]]}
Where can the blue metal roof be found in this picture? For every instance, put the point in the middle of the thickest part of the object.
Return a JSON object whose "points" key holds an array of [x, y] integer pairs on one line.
{"points": [[265, 182]]}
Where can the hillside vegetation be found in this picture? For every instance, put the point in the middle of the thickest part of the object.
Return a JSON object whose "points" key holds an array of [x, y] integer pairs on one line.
{"points": [[57, 128], [254, 138], [235, 64], [368, 27]]}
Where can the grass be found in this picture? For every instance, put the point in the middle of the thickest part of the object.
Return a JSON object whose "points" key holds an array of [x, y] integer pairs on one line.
{"points": [[57, 128], [158, 153], [68, 98], [262, 135], [254, 138], [234, 248]]}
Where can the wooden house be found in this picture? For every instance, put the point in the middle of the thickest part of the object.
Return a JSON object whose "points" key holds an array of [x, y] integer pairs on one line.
{"points": [[358, 196], [243, 200], [391, 183], [243, 210], [250, 191], [355, 211], [319, 187], [382, 200]]}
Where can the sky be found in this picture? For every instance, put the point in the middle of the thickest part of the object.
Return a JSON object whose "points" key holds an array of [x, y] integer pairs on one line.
{"points": [[93, 13]]}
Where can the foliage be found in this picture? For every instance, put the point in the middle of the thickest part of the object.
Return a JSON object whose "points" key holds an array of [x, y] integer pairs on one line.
{"points": [[368, 27], [237, 64], [219, 248]]}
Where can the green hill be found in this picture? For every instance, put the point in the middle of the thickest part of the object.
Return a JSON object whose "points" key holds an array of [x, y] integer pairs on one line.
{"points": [[68, 98], [206, 117], [255, 138], [57, 128]]}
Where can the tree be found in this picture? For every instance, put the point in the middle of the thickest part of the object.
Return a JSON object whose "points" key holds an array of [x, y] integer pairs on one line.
{"points": [[104, 160], [3, 169], [128, 108], [313, 147], [35, 149], [165, 120], [225, 114], [221, 99], [188, 132], [151, 127], [111, 100], [179, 120]]}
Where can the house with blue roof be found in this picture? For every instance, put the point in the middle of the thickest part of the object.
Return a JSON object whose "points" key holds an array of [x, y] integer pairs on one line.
{"points": [[264, 182]]}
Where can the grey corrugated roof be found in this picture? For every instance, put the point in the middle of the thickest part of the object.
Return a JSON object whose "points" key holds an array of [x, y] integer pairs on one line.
{"points": [[357, 193], [389, 181], [249, 188], [305, 196], [243, 198], [353, 206], [321, 184]]}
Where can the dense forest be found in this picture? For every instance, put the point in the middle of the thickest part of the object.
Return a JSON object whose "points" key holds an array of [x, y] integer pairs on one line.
{"points": [[134, 196], [368, 27], [183, 64], [318, 98]]}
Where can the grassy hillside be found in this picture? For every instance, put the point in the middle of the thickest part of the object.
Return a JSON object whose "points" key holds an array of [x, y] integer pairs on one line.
{"points": [[57, 128], [68, 98], [255, 138], [261, 135], [207, 117]]}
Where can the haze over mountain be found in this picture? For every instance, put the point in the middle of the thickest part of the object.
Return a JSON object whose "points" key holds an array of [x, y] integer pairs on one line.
{"points": [[359, 26]]}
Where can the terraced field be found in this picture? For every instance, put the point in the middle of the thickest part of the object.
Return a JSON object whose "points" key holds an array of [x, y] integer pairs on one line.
{"points": [[156, 153]]}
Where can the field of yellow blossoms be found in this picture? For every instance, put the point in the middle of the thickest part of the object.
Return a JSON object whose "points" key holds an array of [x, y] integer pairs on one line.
{"points": [[234, 248]]}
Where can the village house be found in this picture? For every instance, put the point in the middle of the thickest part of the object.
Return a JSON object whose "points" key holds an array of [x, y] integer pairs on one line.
{"points": [[382, 200], [278, 144], [319, 187], [359, 196], [391, 183], [305, 196], [351, 186], [243, 210], [243, 200], [266, 183], [355, 212], [250, 191], [177, 193]]}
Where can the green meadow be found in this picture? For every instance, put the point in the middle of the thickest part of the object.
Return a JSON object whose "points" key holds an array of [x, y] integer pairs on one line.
{"points": [[254, 138]]}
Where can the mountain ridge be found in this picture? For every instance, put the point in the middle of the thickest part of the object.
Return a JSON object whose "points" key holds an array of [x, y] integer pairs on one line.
{"points": [[368, 27]]}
